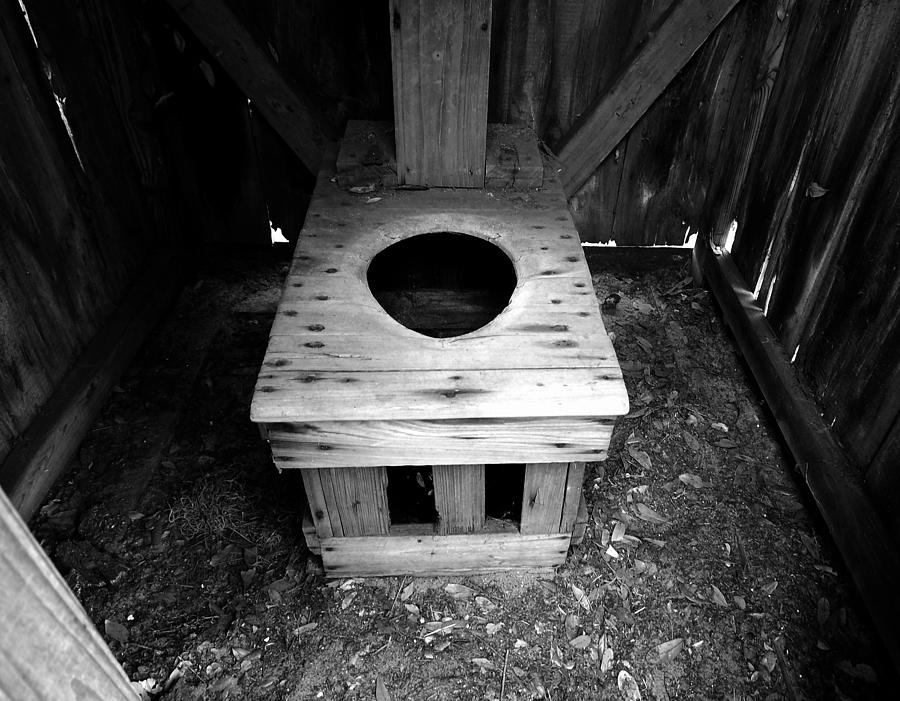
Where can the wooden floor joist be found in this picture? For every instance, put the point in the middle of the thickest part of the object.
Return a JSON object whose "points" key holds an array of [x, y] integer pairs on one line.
{"points": [[855, 524], [606, 122]]}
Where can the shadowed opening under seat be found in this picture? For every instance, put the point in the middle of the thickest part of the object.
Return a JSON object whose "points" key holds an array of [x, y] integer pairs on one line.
{"points": [[442, 284]]}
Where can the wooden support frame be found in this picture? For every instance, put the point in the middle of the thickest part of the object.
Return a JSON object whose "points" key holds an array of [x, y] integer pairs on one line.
{"points": [[49, 648], [681, 34], [855, 524], [426, 555]]}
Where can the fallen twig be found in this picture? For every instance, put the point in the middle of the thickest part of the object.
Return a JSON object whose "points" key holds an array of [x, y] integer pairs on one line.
{"points": [[787, 671]]}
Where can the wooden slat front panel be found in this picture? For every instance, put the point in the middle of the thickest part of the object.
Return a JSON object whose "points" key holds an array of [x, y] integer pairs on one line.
{"points": [[543, 497]]}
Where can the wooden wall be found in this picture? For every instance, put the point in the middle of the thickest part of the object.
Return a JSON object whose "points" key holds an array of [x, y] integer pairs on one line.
{"points": [[818, 222], [74, 226]]}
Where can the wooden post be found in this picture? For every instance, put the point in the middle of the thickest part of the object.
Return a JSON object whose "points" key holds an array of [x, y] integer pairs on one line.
{"points": [[441, 60], [543, 497], [49, 649], [459, 498]]}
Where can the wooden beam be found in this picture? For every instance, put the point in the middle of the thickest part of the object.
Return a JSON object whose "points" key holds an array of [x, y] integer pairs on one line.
{"points": [[426, 555], [49, 648], [43, 452], [287, 109], [855, 524], [441, 57], [668, 49]]}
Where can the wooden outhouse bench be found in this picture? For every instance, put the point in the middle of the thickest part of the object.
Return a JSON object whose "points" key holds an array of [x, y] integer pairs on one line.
{"points": [[349, 394]]}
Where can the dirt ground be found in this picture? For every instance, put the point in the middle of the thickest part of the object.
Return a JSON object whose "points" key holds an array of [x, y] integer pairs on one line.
{"points": [[703, 574]]}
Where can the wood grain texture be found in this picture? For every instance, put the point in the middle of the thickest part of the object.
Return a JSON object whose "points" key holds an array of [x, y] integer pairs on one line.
{"points": [[459, 498], [315, 444], [49, 648], [358, 496], [426, 555], [598, 131], [441, 56], [293, 114], [334, 354], [543, 497], [318, 506], [573, 497]]}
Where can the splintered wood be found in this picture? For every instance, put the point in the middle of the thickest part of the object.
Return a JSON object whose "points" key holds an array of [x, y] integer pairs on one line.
{"points": [[346, 391]]}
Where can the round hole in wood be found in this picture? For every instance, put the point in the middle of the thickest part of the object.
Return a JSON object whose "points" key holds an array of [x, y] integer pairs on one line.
{"points": [[442, 284]]}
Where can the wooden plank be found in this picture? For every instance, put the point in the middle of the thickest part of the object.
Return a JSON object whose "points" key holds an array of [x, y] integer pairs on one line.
{"points": [[439, 394], [293, 114], [49, 308], [49, 648], [764, 81], [848, 510], [359, 496], [440, 55], [425, 555], [314, 444], [42, 454], [335, 354], [458, 498], [610, 118], [542, 497], [318, 505], [573, 497]]}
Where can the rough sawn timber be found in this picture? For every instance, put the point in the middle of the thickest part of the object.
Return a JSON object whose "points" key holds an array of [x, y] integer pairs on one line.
{"points": [[611, 117], [440, 53], [434, 554]]}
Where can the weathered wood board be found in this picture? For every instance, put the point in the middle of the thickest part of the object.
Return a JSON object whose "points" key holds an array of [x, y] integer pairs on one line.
{"points": [[435, 554], [440, 56]]}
